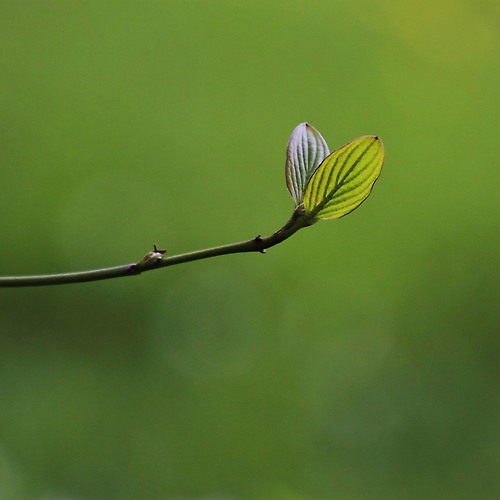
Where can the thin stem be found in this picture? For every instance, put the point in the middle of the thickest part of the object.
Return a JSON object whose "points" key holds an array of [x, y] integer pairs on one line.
{"points": [[258, 244]]}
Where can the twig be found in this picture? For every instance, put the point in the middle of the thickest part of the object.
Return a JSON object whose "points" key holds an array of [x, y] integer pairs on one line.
{"points": [[155, 260]]}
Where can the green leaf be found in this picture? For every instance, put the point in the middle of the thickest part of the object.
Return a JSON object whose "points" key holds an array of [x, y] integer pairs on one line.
{"points": [[344, 179], [305, 151]]}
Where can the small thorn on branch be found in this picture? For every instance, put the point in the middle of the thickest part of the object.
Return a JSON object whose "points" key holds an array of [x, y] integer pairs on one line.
{"points": [[157, 250], [148, 261], [258, 239]]}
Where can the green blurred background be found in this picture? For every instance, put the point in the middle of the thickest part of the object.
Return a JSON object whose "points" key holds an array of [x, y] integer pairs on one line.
{"points": [[357, 360]]}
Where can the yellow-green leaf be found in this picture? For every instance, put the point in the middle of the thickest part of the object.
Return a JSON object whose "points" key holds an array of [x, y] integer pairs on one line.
{"points": [[345, 178]]}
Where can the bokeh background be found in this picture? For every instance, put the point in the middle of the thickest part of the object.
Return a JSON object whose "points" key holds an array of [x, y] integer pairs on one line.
{"points": [[358, 360]]}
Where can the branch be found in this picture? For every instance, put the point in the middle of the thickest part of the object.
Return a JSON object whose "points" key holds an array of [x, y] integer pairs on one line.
{"points": [[154, 260], [323, 185]]}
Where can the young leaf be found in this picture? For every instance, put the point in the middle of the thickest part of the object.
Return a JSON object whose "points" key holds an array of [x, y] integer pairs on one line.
{"points": [[345, 178], [305, 151]]}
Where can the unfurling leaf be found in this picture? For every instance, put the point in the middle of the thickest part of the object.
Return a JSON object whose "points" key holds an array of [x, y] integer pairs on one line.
{"points": [[305, 151], [344, 179]]}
